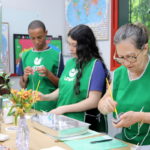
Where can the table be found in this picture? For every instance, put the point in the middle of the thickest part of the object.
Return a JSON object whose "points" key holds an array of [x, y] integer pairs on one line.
{"points": [[38, 140]]}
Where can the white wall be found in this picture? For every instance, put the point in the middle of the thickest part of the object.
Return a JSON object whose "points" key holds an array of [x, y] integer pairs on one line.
{"points": [[19, 13]]}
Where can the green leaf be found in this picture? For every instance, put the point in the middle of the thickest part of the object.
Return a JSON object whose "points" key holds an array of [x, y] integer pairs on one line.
{"points": [[16, 119], [10, 111], [7, 76]]}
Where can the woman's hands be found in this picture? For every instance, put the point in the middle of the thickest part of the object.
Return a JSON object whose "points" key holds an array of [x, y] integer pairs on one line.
{"points": [[107, 104], [41, 96], [59, 110], [127, 119], [49, 97]]}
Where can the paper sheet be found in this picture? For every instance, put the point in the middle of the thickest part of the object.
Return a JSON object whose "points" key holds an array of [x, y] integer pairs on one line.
{"points": [[53, 148], [76, 144], [88, 134]]}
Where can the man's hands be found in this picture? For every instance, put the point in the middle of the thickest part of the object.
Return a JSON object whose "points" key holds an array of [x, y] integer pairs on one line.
{"points": [[28, 71], [43, 71]]}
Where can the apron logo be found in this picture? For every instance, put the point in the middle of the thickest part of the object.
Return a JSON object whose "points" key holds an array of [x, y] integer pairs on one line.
{"points": [[37, 61], [72, 74]]}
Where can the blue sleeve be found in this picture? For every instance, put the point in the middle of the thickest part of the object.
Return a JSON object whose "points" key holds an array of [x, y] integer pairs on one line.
{"points": [[19, 69], [98, 82], [61, 66]]}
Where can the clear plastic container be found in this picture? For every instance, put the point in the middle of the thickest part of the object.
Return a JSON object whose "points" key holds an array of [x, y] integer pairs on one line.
{"points": [[6, 107]]}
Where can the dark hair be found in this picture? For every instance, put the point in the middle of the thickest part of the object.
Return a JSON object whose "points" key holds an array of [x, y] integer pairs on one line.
{"points": [[86, 50], [37, 24], [137, 33]]}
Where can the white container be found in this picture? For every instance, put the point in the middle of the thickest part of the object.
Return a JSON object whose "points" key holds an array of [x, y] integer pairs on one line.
{"points": [[6, 107], [59, 126], [7, 119]]}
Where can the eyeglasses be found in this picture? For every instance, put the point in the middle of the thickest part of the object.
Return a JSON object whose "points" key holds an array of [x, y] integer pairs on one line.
{"points": [[131, 59]]}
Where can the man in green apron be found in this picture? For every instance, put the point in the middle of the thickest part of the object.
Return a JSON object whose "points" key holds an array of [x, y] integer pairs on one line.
{"points": [[41, 64]]}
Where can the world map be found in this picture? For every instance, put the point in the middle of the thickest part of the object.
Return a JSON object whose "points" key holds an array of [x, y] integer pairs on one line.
{"points": [[85, 11], [94, 13]]}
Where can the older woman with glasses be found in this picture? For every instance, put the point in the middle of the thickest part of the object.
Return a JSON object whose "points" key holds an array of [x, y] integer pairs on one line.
{"points": [[131, 85]]}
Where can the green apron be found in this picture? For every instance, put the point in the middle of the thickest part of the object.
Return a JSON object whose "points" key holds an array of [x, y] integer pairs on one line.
{"points": [[133, 96], [67, 81], [49, 59]]}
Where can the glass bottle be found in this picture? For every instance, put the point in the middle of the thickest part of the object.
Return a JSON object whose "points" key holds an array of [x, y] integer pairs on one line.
{"points": [[22, 135]]}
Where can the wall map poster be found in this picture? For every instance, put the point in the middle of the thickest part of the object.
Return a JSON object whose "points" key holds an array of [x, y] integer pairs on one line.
{"points": [[94, 13]]}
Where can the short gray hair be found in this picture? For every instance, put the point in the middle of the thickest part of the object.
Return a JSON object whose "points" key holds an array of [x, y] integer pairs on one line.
{"points": [[137, 33]]}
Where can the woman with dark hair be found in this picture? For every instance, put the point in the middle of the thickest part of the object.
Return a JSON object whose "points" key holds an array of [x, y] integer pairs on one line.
{"points": [[131, 85], [82, 82]]}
